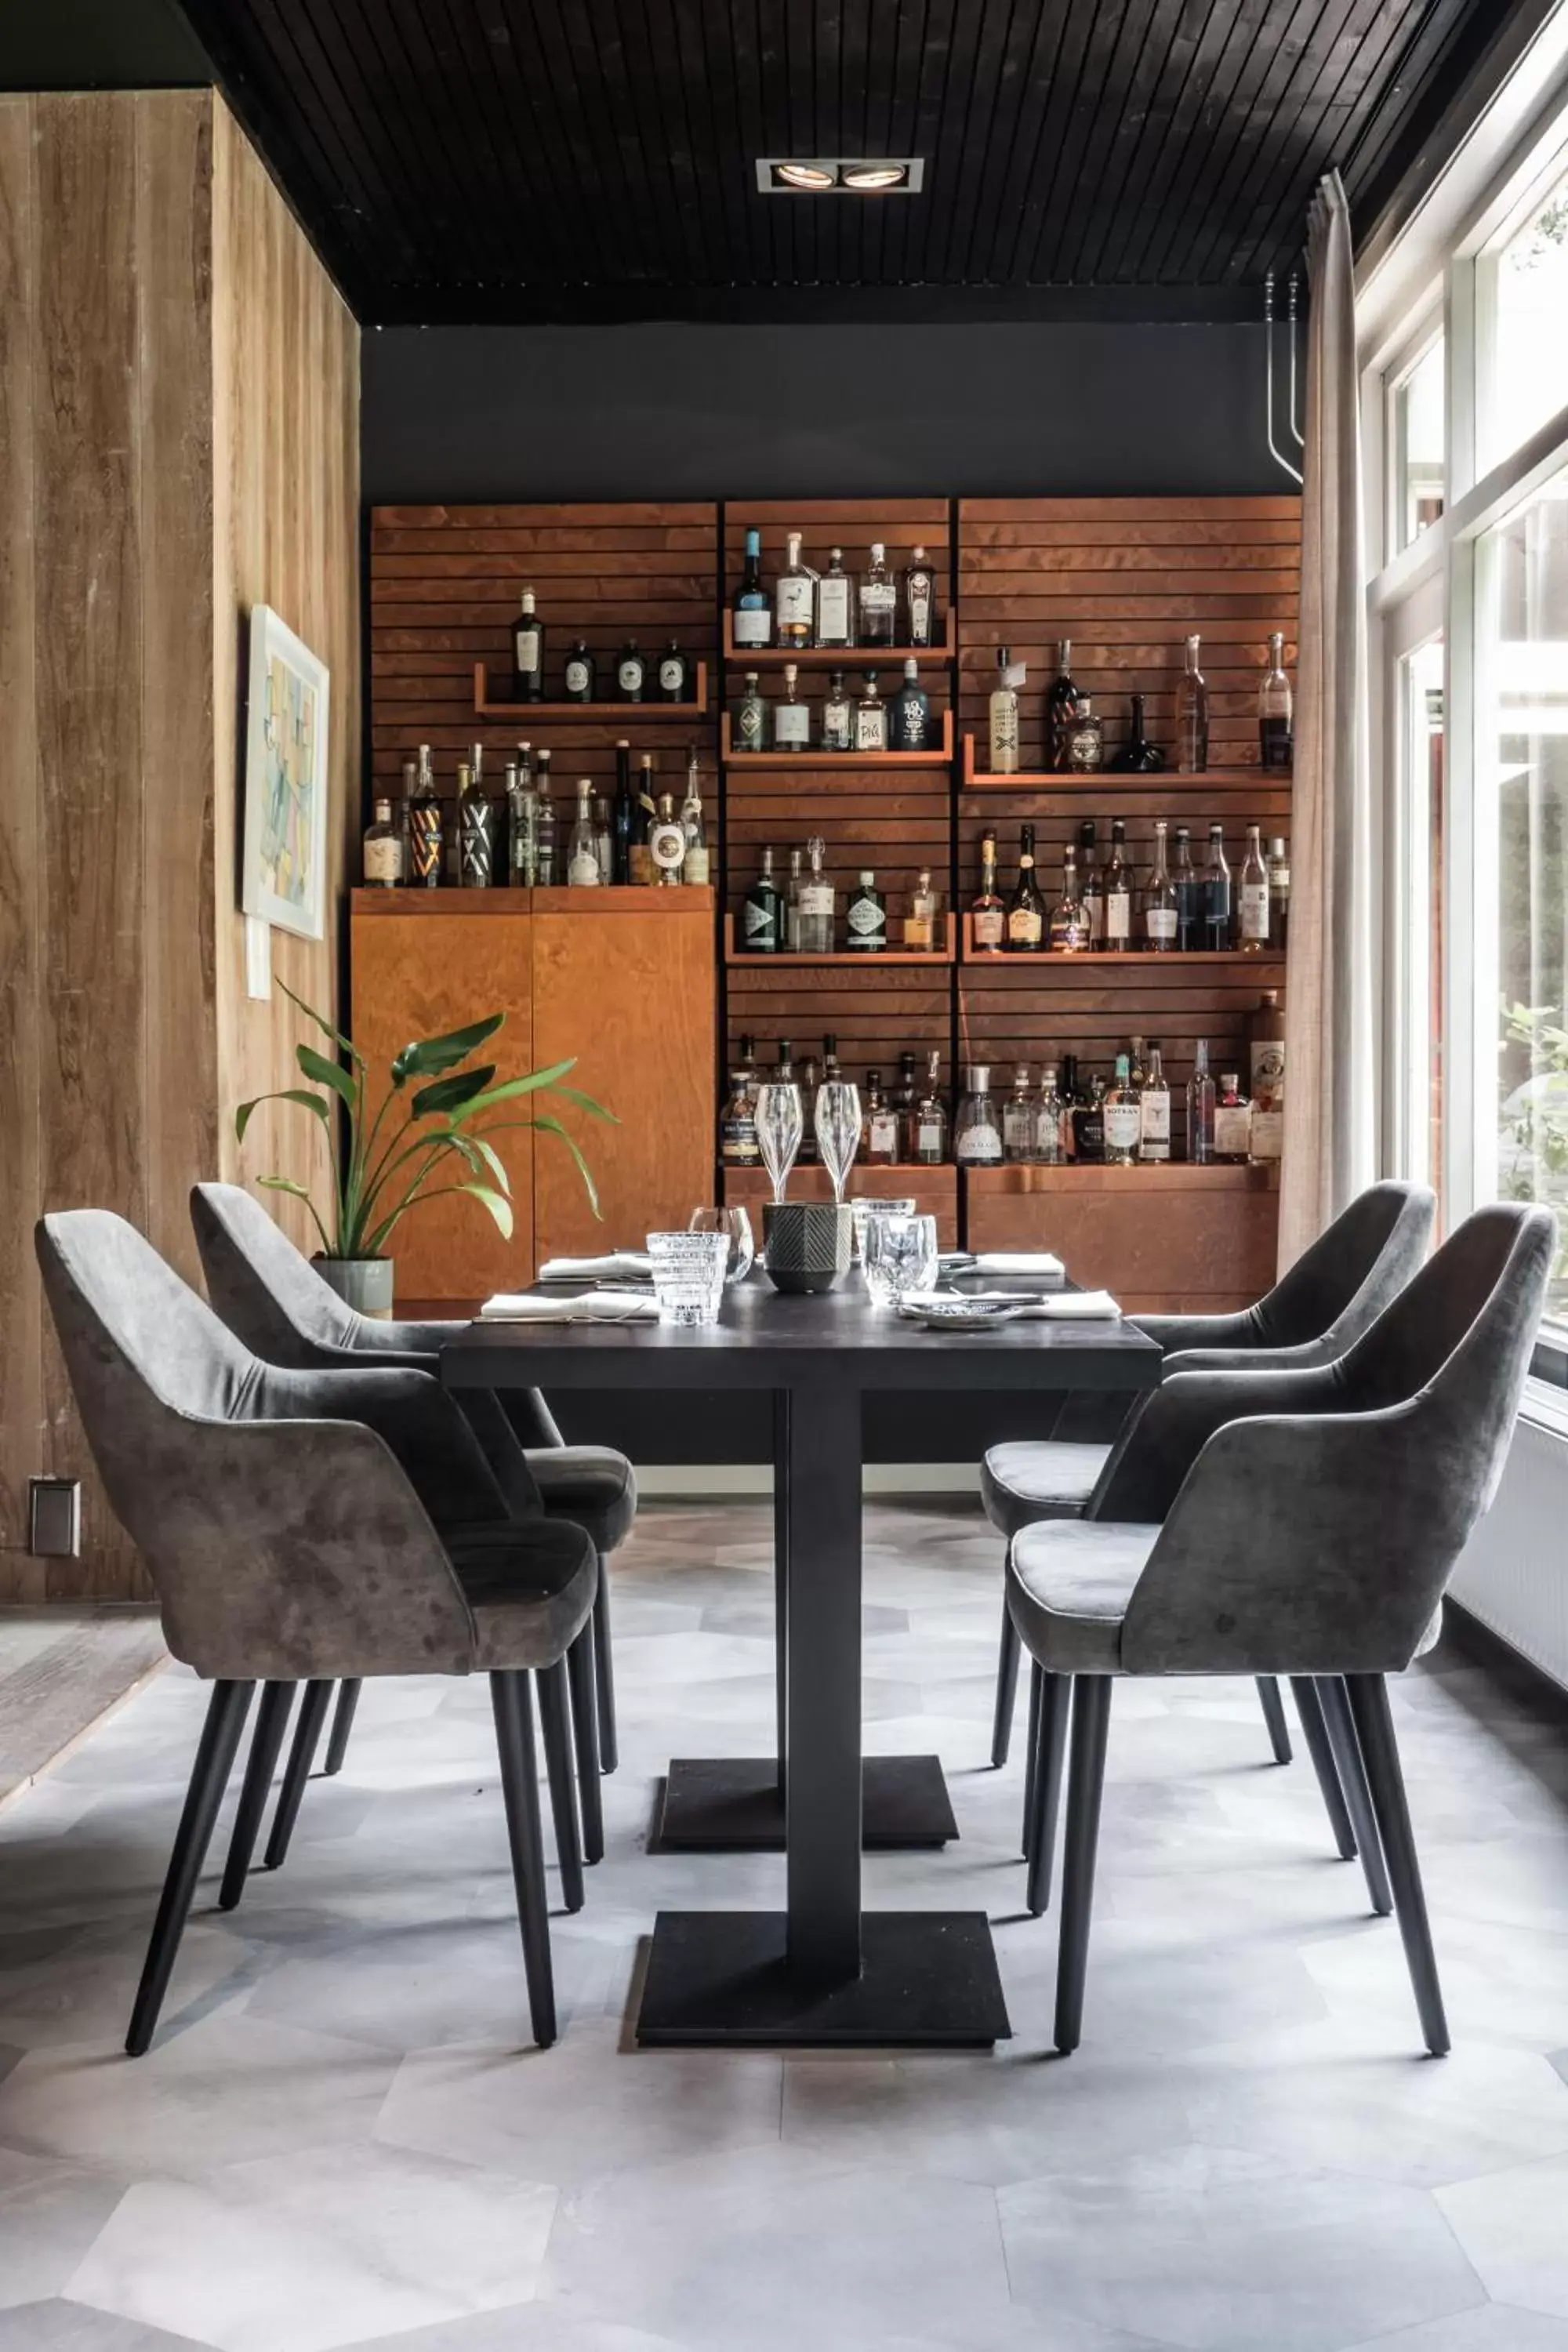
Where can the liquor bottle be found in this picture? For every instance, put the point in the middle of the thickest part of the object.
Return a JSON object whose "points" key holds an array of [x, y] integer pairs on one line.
{"points": [[624, 818], [1216, 895], [749, 1066], [793, 598], [837, 716], [1118, 892], [630, 673], [919, 916], [1088, 1124], [1252, 894], [1276, 734], [1026, 914], [641, 856], [1232, 1121], [666, 843], [674, 674], [877, 621], [1278, 894], [577, 680], [523, 821], [1266, 1062], [793, 888], [831, 1071], [866, 917], [920, 599], [988, 915], [582, 848], [1189, 895], [751, 614], [1003, 716], [1070, 1094], [604, 839], [1062, 707], [978, 1130], [1138, 756], [544, 834], [871, 717], [426, 833], [1159, 903], [527, 652], [791, 717], [1089, 888], [835, 611], [737, 1145], [1154, 1107], [1018, 1121], [383, 850], [814, 908], [762, 913], [930, 1141], [1201, 1104], [1122, 1118], [476, 828], [1085, 739], [752, 719], [810, 1080], [906, 1093], [879, 1126], [696, 867], [1050, 1146], [1192, 717], [1136, 1065], [1069, 924], [908, 713]]}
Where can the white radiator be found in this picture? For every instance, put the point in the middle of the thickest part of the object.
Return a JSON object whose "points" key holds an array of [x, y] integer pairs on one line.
{"points": [[1514, 1572]]}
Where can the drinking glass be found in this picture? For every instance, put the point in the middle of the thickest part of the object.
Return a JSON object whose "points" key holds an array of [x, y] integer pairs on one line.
{"points": [[780, 1126], [689, 1276], [739, 1240], [900, 1258], [838, 1131], [861, 1214]]}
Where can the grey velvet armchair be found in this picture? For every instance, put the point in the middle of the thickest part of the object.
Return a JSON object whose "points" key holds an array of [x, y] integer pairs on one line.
{"points": [[291, 1538], [274, 1302], [1301, 1523], [1333, 1293]]}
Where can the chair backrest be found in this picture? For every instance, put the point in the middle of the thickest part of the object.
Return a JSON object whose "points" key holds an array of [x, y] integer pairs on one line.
{"points": [[1342, 1283], [266, 1290], [282, 1549]]}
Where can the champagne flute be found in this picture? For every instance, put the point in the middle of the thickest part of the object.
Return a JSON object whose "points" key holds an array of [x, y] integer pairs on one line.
{"points": [[780, 1126], [838, 1131]]}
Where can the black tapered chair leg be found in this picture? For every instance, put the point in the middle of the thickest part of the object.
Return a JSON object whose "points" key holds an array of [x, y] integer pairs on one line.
{"points": [[585, 1740], [604, 1671], [1032, 1754], [1006, 1688], [1086, 1781], [1341, 1727], [302, 1756], [553, 1717], [1048, 1789], [1370, 1712], [343, 1724], [271, 1722], [215, 1753], [512, 1705], [1274, 1717], [1315, 1731]]}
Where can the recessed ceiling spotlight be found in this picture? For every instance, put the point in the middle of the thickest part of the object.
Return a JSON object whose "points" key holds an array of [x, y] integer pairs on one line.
{"points": [[812, 177], [839, 175], [870, 178]]}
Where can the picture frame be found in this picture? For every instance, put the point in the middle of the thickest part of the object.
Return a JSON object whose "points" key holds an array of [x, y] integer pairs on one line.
{"points": [[283, 867]]}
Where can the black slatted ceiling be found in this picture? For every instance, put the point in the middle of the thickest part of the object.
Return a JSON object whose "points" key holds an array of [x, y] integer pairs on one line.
{"points": [[515, 159]]}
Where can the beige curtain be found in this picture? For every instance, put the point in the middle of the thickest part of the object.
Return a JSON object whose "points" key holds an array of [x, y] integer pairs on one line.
{"points": [[1330, 1077]]}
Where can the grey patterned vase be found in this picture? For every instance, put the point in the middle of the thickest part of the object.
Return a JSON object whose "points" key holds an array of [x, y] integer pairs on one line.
{"points": [[362, 1283], [806, 1244]]}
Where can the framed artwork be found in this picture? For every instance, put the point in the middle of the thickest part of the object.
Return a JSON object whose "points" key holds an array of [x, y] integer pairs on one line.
{"points": [[284, 867]]}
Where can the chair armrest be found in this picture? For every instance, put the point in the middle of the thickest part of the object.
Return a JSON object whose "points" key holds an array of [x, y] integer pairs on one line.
{"points": [[1217, 1332], [1307, 1356], [425, 1428], [1174, 1422]]}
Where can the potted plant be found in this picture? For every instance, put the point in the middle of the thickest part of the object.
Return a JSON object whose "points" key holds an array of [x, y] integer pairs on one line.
{"points": [[383, 1166]]}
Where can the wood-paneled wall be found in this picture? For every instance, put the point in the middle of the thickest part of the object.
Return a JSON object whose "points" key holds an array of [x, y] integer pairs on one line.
{"points": [[118, 780]]}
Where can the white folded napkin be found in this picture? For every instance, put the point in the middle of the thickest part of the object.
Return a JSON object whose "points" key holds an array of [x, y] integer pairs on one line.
{"points": [[630, 1265], [1018, 1262], [594, 1306], [1073, 1306]]}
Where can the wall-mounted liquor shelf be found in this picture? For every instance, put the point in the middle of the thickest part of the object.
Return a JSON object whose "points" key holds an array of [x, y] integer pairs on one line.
{"points": [[846, 959], [1056, 959], [497, 706], [1115, 780], [939, 756], [845, 657]]}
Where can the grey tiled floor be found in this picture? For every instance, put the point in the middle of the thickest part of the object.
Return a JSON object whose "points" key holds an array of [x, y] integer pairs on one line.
{"points": [[341, 2138]]}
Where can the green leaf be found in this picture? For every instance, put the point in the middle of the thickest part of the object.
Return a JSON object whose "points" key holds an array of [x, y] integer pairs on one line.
{"points": [[586, 1102], [326, 1074], [549, 1126], [325, 1026], [426, 1057], [496, 1202], [452, 1093], [300, 1192], [493, 1160], [317, 1103], [510, 1088]]}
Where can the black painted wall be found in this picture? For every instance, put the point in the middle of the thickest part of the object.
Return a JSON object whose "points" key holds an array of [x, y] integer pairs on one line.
{"points": [[694, 411], [98, 45]]}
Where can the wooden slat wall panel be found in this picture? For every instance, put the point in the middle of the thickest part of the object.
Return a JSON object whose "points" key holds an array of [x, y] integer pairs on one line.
{"points": [[875, 1014]]}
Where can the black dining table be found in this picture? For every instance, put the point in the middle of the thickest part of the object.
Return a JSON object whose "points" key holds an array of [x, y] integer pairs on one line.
{"points": [[823, 1971]]}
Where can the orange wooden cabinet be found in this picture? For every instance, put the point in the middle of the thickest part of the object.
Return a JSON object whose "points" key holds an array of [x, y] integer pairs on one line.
{"points": [[1165, 1240], [623, 985]]}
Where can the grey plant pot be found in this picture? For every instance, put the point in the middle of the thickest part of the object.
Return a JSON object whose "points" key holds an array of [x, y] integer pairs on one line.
{"points": [[362, 1283], [806, 1244]]}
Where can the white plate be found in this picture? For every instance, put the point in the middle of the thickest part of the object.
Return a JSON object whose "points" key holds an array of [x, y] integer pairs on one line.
{"points": [[954, 1314]]}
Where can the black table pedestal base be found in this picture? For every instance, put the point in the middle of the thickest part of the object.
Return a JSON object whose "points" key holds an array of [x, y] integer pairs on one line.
{"points": [[928, 1980], [731, 1804]]}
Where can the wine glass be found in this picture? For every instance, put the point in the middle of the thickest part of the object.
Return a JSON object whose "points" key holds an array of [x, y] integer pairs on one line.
{"points": [[838, 1131], [780, 1126], [900, 1258], [736, 1227]]}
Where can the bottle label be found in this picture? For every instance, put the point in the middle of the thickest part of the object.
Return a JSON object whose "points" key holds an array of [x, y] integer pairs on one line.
{"points": [[1093, 916], [526, 650], [760, 924], [917, 931], [989, 925], [979, 1143], [1118, 919], [666, 845], [816, 897], [791, 603], [1267, 1059], [1268, 1137], [867, 922], [1154, 1111], [584, 868], [1124, 1126], [639, 864], [928, 1139], [1232, 1130], [1018, 1127], [920, 598], [672, 674], [737, 1145], [384, 860], [835, 726], [872, 728], [911, 722], [833, 609], [630, 677], [695, 869], [753, 626], [751, 726], [1024, 927], [1161, 922], [1004, 732], [879, 602], [792, 726], [883, 1132], [1254, 910], [577, 677]]}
